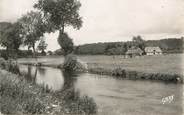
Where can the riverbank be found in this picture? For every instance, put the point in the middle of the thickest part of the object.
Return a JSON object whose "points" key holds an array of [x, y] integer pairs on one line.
{"points": [[134, 75], [119, 72], [17, 96]]}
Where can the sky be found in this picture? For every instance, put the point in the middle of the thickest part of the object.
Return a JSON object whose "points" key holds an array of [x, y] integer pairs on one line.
{"points": [[112, 20]]}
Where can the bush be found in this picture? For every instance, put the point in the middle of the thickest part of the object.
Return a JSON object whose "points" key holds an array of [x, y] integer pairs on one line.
{"points": [[8, 105], [12, 66], [131, 74], [72, 64], [74, 104], [119, 72], [15, 98], [2, 63], [33, 105], [9, 65]]}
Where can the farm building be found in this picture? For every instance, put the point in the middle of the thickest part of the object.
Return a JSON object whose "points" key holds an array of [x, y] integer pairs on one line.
{"points": [[153, 50], [134, 52]]}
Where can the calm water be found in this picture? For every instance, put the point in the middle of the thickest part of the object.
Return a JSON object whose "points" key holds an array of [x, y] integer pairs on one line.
{"points": [[113, 96]]}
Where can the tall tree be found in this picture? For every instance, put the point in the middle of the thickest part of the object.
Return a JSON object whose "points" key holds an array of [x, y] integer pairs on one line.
{"points": [[33, 28], [11, 37], [66, 43], [138, 42], [137, 39], [59, 14], [42, 46]]}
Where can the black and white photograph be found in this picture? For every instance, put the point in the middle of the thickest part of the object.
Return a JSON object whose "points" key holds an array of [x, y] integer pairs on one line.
{"points": [[91, 57]]}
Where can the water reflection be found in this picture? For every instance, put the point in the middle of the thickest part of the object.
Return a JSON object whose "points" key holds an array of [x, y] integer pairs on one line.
{"points": [[42, 71], [56, 79], [76, 103], [51, 77], [30, 74]]}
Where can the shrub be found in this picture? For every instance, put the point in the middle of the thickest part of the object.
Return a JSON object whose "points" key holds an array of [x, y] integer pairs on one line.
{"points": [[13, 67], [87, 105], [72, 64], [9, 65], [131, 74], [33, 105], [2, 63], [74, 104], [4, 55], [8, 105], [119, 72], [15, 98]]}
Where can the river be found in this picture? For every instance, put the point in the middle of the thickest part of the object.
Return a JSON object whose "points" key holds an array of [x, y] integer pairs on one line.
{"points": [[114, 96]]}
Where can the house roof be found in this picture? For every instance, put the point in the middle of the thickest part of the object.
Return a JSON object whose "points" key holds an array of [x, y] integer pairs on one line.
{"points": [[152, 49], [134, 51]]}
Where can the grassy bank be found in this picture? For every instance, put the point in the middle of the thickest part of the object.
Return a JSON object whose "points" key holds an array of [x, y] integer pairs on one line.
{"points": [[134, 75], [20, 97], [119, 72]]}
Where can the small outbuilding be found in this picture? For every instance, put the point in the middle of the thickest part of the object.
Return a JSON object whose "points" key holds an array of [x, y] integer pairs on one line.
{"points": [[134, 52], [153, 51]]}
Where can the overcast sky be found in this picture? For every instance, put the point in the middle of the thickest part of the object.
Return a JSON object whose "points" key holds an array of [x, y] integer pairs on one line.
{"points": [[113, 20]]}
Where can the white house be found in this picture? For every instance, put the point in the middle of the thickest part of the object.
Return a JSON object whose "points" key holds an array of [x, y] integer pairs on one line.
{"points": [[153, 51]]}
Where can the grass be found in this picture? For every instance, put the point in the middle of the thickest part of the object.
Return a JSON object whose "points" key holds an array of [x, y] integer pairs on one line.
{"points": [[161, 67], [166, 64], [134, 75], [20, 97]]}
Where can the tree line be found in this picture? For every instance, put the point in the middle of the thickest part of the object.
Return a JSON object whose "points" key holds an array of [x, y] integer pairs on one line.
{"points": [[48, 16], [171, 45]]}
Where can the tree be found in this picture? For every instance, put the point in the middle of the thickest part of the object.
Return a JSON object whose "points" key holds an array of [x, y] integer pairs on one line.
{"points": [[66, 43], [50, 53], [58, 52], [11, 38], [137, 39], [59, 14], [33, 28], [42, 46], [138, 42]]}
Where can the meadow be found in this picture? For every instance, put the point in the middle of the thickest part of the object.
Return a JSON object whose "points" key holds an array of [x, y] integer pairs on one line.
{"points": [[166, 64]]}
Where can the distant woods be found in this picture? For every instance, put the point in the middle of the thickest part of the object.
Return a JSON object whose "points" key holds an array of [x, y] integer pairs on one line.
{"points": [[171, 45]]}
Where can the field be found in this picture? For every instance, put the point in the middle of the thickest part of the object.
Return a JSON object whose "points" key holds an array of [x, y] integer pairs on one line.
{"points": [[168, 64]]}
